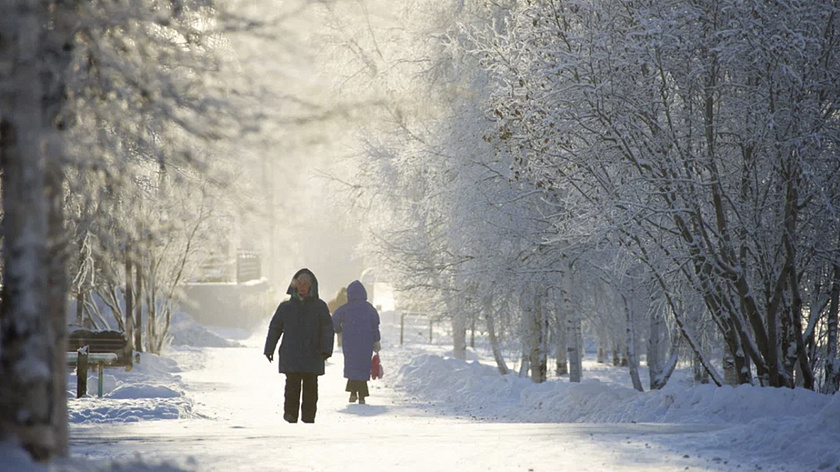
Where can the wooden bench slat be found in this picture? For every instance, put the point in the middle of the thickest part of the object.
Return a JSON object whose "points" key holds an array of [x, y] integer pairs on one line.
{"points": [[106, 358]]}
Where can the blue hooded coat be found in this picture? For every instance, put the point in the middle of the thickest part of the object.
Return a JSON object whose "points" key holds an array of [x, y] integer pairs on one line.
{"points": [[358, 321], [306, 328]]}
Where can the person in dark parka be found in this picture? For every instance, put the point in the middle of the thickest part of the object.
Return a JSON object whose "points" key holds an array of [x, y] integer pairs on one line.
{"points": [[358, 322], [306, 328]]}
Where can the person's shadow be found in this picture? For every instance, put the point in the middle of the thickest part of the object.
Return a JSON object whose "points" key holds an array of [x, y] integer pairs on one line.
{"points": [[364, 410]]}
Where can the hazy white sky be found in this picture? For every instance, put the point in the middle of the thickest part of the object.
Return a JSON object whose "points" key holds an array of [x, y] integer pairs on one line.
{"points": [[301, 143]]}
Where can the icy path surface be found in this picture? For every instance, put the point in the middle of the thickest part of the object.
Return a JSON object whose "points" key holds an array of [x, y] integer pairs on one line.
{"points": [[239, 396]]}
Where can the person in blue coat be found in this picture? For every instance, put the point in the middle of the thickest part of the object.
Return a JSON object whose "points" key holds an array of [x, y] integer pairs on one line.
{"points": [[306, 328], [358, 322]]}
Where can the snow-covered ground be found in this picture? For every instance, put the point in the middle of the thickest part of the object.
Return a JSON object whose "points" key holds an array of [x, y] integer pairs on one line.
{"points": [[213, 403]]}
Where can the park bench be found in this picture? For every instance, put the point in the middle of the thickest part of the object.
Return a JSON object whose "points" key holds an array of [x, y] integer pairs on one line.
{"points": [[100, 348]]}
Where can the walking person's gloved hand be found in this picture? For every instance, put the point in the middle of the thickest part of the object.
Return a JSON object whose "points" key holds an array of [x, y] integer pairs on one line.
{"points": [[376, 346], [270, 357]]}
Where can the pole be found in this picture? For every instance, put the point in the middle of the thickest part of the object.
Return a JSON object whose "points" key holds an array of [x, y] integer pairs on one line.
{"points": [[402, 327], [100, 370], [81, 371]]}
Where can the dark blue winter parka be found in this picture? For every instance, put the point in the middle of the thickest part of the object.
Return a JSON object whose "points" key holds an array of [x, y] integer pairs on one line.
{"points": [[358, 321], [306, 329]]}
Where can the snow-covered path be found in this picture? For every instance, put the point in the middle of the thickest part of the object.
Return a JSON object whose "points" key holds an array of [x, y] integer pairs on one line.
{"points": [[238, 398]]}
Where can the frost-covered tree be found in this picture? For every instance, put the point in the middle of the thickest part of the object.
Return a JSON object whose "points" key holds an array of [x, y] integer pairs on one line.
{"points": [[702, 132], [139, 132], [91, 95], [407, 174], [32, 408], [456, 224]]}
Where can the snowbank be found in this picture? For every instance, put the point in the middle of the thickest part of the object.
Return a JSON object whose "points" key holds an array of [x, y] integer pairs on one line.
{"points": [[186, 332], [476, 389], [778, 424], [151, 389]]}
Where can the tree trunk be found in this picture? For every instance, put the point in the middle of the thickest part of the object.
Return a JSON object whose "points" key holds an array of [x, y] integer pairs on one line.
{"points": [[28, 356], [832, 366], [730, 371], [562, 364], [151, 315], [619, 350], [26, 329], [129, 299], [603, 345], [574, 335], [459, 335], [538, 359], [138, 309], [59, 45], [654, 344], [799, 357], [528, 333], [661, 379], [472, 331], [57, 287], [632, 362], [525, 364], [616, 358], [701, 376], [494, 341]]}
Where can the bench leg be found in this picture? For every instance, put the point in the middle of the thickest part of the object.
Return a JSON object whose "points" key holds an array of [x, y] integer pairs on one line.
{"points": [[99, 371], [81, 374]]}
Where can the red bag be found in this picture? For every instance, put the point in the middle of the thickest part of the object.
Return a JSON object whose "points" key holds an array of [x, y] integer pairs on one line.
{"points": [[376, 370]]}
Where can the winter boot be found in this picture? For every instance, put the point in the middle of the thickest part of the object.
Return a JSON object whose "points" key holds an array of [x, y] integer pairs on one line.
{"points": [[361, 400], [353, 398]]}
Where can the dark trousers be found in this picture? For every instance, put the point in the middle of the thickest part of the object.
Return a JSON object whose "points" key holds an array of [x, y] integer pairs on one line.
{"points": [[360, 387], [309, 383]]}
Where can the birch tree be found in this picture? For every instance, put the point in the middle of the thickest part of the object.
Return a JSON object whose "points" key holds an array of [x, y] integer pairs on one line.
{"points": [[697, 137], [75, 81], [142, 129], [33, 61]]}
